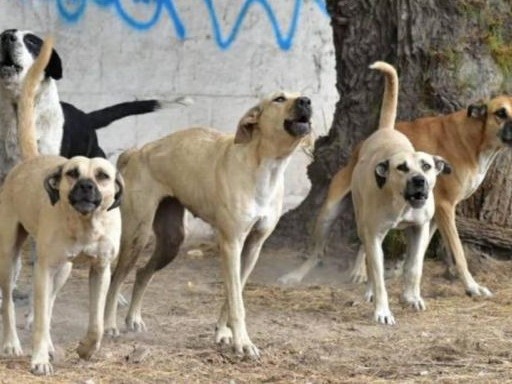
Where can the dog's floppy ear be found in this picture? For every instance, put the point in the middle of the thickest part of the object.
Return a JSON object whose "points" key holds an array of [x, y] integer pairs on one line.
{"points": [[54, 67], [118, 197], [477, 111], [442, 166], [381, 173], [51, 184], [247, 124]]}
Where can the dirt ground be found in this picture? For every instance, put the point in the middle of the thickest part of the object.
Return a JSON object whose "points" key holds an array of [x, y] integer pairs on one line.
{"points": [[318, 332]]}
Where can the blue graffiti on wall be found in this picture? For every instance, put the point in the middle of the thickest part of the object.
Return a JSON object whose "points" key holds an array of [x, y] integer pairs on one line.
{"points": [[72, 10]]}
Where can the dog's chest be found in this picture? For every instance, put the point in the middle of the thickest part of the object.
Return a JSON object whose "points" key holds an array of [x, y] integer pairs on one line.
{"points": [[477, 178], [411, 216]]}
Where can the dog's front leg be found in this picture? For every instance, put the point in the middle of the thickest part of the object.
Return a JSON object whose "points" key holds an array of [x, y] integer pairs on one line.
{"points": [[99, 281], [250, 255], [445, 219], [373, 247], [230, 251], [40, 364], [10, 344], [417, 243]]}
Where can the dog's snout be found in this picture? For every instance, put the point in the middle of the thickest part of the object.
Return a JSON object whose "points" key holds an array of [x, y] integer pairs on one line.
{"points": [[419, 181], [9, 36], [86, 185], [304, 102]]}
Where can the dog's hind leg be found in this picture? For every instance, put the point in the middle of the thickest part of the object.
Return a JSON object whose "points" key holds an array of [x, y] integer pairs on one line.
{"points": [[338, 189], [250, 255], [169, 230], [417, 243], [136, 229], [11, 239]]}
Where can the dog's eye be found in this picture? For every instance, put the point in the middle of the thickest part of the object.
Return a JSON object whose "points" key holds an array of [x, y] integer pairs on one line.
{"points": [[73, 173], [403, 167], [426, 166], [501, 113], [102, 176], [280, 99]]}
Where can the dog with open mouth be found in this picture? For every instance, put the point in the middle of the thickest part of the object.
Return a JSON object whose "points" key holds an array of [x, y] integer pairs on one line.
{"points": [[61, 127], [71, 208], [392, 187], [233, 182]]}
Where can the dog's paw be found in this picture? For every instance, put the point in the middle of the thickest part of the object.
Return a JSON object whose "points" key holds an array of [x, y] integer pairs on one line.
{"points": [[12, 348], [247, 349], [358, 275], [87, 347], [135, 324], [415, 302], [223, 335], [384, 317], [112, 331], [478, 290], [41, 368], [289, 279]]}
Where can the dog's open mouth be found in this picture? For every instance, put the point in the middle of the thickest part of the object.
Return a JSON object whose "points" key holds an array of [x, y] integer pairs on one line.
{"points": [[298, 127], [417, 199], [8, 67], [85, 206]]}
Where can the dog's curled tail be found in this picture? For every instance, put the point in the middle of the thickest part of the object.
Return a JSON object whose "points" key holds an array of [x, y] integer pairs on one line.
{"points": [[390, 98], [26, 120]]}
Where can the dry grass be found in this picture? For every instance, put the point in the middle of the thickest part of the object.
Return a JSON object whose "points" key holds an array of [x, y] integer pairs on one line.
{"points": [[319, 332]]}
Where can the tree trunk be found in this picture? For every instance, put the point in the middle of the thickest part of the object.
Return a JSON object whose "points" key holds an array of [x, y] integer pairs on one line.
{"points": [[447, 53]]}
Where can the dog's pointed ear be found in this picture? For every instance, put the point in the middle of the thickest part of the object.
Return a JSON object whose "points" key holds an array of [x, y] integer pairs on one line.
{"points": [[118, 197], [442, 166], [247, 124], [381, 173], [477, 111], [51, 184], [54, 67]]}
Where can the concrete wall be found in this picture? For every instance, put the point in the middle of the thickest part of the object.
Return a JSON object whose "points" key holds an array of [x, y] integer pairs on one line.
{"points": [[223, 53]]}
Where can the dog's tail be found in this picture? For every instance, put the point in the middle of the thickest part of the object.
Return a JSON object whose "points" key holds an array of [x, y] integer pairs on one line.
{"points": [[103, 117], [26, 120], [390, 98]]}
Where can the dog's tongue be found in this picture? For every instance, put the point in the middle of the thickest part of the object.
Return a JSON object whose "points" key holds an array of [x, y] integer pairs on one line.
{"points": [[297, 128]]}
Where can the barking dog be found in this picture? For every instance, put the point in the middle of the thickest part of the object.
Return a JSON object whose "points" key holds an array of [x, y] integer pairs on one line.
{"points": [[71, 208], [391, 187], [61, 128], [235, 183], [469, 140]]}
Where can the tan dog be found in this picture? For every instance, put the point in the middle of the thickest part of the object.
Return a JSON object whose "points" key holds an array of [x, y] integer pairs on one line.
{"points": [[235, 183], [69, 207], [469, 140], [392, 188]]}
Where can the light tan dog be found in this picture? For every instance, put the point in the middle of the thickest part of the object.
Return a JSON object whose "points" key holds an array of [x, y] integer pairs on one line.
{"points": [[235, 183], [70, 208], [392, 188], [469, 140]]}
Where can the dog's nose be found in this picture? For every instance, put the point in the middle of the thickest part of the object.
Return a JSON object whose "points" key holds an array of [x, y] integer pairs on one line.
{"points": [[419, 181], [86, 185], [304, 101], [9, 36]]}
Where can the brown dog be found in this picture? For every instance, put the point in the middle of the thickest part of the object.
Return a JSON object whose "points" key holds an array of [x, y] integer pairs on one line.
{"points": [[70, 207], [469, 140], [235, 183]]}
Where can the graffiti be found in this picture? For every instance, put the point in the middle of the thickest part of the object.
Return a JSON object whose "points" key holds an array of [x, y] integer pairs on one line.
{"points": [[145, 14]]}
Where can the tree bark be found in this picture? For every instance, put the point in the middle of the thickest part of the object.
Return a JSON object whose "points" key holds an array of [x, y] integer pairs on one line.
{"points": [[445, 59]]}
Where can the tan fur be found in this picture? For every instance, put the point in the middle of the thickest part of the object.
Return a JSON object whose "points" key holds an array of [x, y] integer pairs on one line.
{"points": [[233, 182], [469, 144], [390, 99], [36, 200], [26, 123]]}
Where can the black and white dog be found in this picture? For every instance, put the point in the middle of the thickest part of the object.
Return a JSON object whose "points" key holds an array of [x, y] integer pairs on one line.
{"points": [[61, 128]]}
